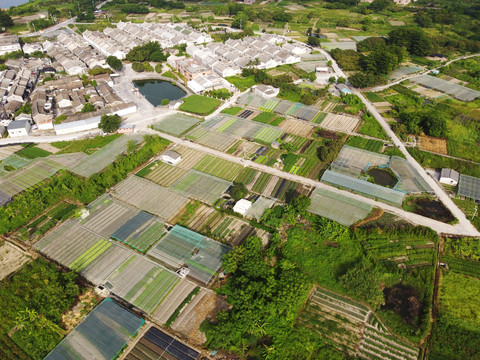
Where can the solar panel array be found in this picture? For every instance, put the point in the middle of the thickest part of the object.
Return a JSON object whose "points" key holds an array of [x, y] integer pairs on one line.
{"points": [[157, 345]]}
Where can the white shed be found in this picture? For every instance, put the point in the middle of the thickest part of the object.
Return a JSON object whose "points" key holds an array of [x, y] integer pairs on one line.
{"points": [[171, 157], [449, 177], [242, 206]]}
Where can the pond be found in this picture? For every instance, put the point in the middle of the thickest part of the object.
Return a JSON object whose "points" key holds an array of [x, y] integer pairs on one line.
{"points": [[157, 90], [382, 177]]}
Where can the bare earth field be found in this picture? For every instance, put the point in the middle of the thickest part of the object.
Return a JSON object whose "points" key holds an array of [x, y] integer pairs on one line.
{"points": [[11, 259], [205, 304], [297, 127], [433, 144]]}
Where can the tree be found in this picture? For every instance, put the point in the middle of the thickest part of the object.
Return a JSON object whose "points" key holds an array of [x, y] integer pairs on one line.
{"points": [[158, 68], [165, 102], [313, 41], [5, 20], [88, 108], [240, 21], [115, 63], [137, 66], [413, 39], [238, 191], [109, 123]]}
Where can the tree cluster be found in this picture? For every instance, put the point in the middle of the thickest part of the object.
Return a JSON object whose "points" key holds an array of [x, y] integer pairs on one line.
{"points": [[5, 20], [164, 4], [151, 51], [33, 302], [115, 63], [110, 123], [264, 311], [429, 120]]}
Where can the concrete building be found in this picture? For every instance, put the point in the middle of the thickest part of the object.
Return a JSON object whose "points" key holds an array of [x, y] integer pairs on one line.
{"points": [[209, 82], [191, 68], [42, 112], [449, 177], [9, 43], [18, 128], [171, 157], [241, 207], [30, 48], [77, 126]]}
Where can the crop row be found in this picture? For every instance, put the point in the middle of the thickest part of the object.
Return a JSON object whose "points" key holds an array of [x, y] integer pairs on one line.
{"points": [[466, 267], [218, 167]]}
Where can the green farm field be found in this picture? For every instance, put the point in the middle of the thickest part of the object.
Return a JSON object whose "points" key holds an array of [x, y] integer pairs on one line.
{"points": [[200, 105]]}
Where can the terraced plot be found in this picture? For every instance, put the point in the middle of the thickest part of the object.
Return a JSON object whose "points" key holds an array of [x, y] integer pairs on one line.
{"points": [[101, 158], [176, 124], [189, 157], [295, 127], [150, 197], [204, 187], [183, 247], [340, 123], [28, 176], [353, 328], [227, 229], [142, 283], [73, 246], [164, 174], [211, 139], [111, 218], [218, 167]]}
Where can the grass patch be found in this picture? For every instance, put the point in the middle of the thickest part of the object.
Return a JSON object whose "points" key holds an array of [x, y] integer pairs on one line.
{"points": [[87, 146], [33, 152], [374, 97], [366, 144], [371, 127], [201, 105], [170, 75], [434, 161], [232, 110], [264, 117], [277, 121], [242, 83]]}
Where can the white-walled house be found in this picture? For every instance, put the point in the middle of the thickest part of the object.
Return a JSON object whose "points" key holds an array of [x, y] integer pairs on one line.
{"points": [[171, 157], [18, 128], [449, 177]]}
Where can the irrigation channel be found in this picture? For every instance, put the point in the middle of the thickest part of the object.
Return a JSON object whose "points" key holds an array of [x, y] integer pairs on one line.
{"points": [[155, 90]]}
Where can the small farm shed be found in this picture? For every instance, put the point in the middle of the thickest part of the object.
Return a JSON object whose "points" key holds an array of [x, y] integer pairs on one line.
{"points": [[266, 91], [449, 177], [171, 157], [242, 206]]}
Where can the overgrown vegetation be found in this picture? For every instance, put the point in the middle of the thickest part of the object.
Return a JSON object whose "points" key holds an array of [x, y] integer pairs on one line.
{"points": [[33, 301]]}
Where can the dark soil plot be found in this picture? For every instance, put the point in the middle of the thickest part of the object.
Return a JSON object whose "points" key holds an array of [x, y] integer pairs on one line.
{"points": [[331, 135], [405, 301], [432, 209], [156, 344]]}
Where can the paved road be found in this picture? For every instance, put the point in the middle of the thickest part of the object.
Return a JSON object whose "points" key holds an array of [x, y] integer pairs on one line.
{"points": [[438, 226], [464, 223]]}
